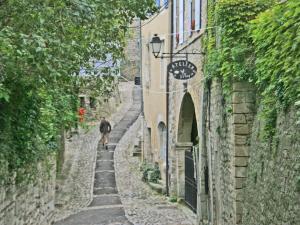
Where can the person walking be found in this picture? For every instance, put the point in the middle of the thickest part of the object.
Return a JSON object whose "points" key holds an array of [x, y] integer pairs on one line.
{"points": [[105, 129]]}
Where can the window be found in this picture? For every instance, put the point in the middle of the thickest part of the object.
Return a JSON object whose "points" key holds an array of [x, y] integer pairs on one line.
{"points": [[181, 21], [198, 12], [158, 3], [191, 16], [175, 7]]}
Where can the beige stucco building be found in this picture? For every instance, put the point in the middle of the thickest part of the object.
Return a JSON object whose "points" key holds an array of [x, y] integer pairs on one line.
{"points": [[154, 77]]}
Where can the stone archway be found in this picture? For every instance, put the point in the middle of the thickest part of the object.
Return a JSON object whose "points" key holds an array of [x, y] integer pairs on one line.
{"points": [[187, 137], [187, 126]]}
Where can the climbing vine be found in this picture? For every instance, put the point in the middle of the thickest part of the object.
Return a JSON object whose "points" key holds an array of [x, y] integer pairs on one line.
{"points": [[258, 42]]}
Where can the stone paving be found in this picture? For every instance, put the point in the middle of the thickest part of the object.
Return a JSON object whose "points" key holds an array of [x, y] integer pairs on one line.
{"points": [[119, 197], [74, 189], [106, 207], [143, 206]]}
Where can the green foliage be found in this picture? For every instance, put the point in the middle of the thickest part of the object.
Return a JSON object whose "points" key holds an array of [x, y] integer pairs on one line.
{"points": [[150, 173], [256, 41], [275, 34], [173, 199], [43, 44], [232, 57]]}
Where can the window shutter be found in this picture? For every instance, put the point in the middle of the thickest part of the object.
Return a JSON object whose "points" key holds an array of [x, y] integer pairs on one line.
{"points": [[175, 21], [190, 7], [181, 21], [198, 14]]}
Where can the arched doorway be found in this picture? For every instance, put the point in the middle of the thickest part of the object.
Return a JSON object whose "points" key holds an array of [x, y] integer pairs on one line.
{"points": [[188, 136]]}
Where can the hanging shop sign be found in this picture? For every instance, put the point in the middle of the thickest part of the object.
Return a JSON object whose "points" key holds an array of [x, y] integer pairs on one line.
{"points": [[182, 69]]}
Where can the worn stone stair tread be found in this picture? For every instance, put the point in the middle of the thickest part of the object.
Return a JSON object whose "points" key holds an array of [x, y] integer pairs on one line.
{"points": [[105, 155], [107, 190], [105, 200], [95, 216], [104, 165], [104, 179]]}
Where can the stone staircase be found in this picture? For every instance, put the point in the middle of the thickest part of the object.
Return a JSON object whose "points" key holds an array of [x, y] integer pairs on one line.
{"points": [[106, 207]]}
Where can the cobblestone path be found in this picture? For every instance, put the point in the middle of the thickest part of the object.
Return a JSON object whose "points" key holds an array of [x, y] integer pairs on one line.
{"points": [[106, 207]]}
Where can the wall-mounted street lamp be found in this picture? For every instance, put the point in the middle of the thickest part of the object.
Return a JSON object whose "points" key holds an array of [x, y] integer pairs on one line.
{"points": [[156, 43]]}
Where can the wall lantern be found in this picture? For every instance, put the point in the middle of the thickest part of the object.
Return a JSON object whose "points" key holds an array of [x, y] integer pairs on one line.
{"points": [[156, 45]]}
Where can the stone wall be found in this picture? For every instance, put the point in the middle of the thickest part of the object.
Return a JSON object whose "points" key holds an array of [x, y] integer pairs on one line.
{"points": [[30, 204], [272, 194], [130, 66]]}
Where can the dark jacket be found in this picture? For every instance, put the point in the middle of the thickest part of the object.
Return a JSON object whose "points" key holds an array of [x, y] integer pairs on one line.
{"points": [[105, 127]]}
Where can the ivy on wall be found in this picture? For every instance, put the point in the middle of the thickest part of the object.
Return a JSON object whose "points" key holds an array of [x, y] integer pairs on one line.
{"points": [[276, 37], [256, 41]]}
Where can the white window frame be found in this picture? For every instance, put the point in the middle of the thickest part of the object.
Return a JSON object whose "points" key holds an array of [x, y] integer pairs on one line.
{"points": [[181, 21], [175, 22]]}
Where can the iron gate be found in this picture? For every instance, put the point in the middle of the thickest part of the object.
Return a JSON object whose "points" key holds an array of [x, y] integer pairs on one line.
{"points": [[190, 181]]}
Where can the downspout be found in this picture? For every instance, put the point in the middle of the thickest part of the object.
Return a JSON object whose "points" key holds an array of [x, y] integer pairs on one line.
{"points": [[142, 88], [167, 101], [141, 62]]}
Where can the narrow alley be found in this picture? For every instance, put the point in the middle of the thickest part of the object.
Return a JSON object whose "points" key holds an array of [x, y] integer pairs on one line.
{"points": [[119, 195], [149, 112]]}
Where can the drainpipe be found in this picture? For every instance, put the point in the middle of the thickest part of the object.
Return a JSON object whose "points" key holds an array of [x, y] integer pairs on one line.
{"points": [[167, 101], [142, 88]]}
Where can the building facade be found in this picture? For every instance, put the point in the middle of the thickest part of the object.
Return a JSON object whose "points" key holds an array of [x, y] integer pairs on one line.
{"points": [[214, 162], [154, 79]]}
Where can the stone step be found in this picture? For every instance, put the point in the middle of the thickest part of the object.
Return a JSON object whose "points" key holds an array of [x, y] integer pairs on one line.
{"points": [[101, 191], [104, 165], [105, 155], [96, 216], [110, 147], [105, 200], [104, 179]]}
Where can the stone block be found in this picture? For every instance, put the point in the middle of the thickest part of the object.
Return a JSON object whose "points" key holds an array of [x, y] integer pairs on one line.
{"points": [[239, 119], [239, 218], [243, 86], [241, 151], [237, 97], [239, 184], [241, 161], [239, 208], [240, 139], [243, 108], [240, 171], [242, 129], [250, 97]]}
